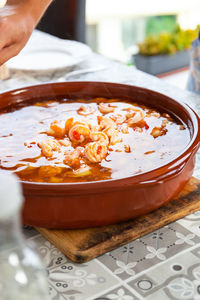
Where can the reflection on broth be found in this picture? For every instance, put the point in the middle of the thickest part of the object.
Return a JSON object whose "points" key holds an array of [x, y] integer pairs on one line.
{"points": [[87, 140]]}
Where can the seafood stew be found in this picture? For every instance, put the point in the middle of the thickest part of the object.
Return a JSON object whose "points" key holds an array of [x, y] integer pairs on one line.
{"points": [[70, 141]]}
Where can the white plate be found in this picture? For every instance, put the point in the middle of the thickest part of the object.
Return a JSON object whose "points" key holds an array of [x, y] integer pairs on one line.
{"points": [[43, 60], [45, 53]]}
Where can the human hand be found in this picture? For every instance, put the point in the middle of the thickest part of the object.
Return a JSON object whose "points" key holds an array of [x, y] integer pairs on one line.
{"points": [[17, 21], [15, 30]]}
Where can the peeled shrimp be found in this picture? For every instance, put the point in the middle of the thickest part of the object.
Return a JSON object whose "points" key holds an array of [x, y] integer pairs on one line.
{"points": [[49, 146], [127, 148], [65, 142], [114, 137], [105, 108], [132, 111], [72, 158], [137, 117], [70, 123], [154, 114], [99, 137], [84, 122], [158, 131], [109, 131], [118, 119], [79, 133], [109, 128], [95, 128], [85, 111], [56, 129], [132, 108], [95, 152], [106, 123]]}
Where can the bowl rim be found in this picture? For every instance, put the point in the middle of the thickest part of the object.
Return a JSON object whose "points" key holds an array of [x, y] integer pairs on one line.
{"points": [[150, 177]]}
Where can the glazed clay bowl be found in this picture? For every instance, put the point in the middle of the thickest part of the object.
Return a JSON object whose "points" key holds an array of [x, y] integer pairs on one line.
{"points": [[80, 205]]}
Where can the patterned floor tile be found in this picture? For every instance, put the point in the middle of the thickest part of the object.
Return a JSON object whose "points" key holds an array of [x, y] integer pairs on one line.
{"points": [[49, 254], [122, 261], [120, 293], [80, 281], [192, 223], [148, 251], [172, 279]]}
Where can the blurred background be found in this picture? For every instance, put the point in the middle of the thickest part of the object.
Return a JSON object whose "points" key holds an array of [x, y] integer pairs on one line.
{"points": [[153, 36], [120, 29], [115, 27]]}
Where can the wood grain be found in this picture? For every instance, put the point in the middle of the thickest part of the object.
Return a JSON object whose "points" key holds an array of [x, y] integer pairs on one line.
{"points": [[85, 244]]}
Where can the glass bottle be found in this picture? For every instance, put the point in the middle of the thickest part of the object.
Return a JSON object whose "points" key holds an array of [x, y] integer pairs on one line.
{"points": [[22, 275]]}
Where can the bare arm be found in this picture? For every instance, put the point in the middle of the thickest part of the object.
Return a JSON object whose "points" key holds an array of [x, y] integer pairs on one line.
{"points": [[17, 21]]}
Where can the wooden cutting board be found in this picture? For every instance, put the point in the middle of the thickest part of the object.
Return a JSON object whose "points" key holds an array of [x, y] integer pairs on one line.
{"points": [[85, 244]]}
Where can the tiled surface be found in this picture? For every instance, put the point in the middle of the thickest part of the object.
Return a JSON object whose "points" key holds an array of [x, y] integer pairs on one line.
{"points": [[162, 265]]}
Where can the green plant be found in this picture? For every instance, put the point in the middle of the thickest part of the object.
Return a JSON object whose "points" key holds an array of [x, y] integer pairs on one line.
{"points": [[168, 42], [158, 24]]}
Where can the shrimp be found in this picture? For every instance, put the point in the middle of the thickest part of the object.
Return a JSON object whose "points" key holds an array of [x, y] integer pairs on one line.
{"points": [[132, 108], [136, 118], [132, 111], [106, 123], [69, 124], [79, 133], [72, 158], [49, 146], [99, 137], [127, 148], [114, 137], [65, 142], [118, 119], [95, 128], [154, 114], [106, 108], [109, 128], [84, 122], [56, 129], [82, 171], [85, 111], [95, 152], [158, 131]]}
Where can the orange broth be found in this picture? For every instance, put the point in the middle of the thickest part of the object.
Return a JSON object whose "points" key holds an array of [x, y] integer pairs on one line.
{"points": [[137, 150]]}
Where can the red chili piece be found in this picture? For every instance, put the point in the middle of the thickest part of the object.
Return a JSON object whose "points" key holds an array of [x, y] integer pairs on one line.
{"points": [[76, 135], [99, 148]]}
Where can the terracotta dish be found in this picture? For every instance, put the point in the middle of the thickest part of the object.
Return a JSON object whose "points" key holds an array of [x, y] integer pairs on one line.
{"points": [[88, 203]]}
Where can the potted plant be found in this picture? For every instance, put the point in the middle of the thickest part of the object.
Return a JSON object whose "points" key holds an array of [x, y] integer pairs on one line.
{"points": [[166, 51]]}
